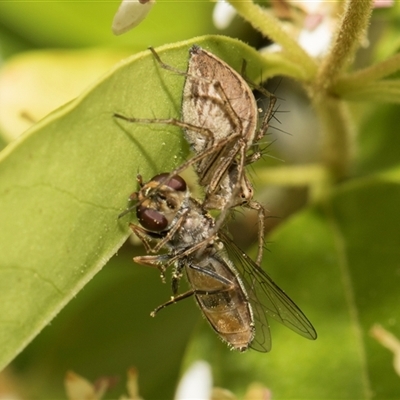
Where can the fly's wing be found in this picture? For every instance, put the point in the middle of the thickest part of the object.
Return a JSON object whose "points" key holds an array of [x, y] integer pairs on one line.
{"points": [[267, 300]]}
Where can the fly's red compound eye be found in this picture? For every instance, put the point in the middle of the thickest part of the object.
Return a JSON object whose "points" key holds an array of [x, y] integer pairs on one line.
{"points": [[151, 220], [175, 182]]}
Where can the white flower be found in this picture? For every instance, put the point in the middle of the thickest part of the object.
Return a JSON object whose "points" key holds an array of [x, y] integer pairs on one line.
{"points": [[130, 14], [388, 340], [316, 41], [196, 383], [223, 14]]}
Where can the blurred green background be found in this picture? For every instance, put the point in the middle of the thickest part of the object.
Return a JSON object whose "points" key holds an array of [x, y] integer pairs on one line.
{"points": [[339, 260]]}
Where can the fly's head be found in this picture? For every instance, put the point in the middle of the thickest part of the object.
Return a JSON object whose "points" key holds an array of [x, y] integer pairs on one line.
{"points": [[159, 201]]}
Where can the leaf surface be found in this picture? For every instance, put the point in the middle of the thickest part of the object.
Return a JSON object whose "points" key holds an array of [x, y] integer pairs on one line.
{"points": [[63, 183]]}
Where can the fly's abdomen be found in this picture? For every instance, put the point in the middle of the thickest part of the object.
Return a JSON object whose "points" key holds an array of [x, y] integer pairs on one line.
{"points": [[229, 316], [223, 301]]}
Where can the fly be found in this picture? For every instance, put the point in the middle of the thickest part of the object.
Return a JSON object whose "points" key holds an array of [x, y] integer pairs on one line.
{"points": [[235, 295]]}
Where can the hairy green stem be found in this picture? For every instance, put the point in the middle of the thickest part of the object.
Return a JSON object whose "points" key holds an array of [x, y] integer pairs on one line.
{"points": [[297, 175], [337, 131], [366, 75], [385, 91], [336, 126], [349, 35], [315, 177], [337, 134], [270, 27]]}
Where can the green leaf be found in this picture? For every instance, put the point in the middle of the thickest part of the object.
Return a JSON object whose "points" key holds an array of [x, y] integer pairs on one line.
{"points": [[63, 184], [339, 262], [10, 44], [34, 83], [378, 140], [106, 329]]}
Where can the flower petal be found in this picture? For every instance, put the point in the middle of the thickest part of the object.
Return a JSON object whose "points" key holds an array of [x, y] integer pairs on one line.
{"points": [[130, 14]]}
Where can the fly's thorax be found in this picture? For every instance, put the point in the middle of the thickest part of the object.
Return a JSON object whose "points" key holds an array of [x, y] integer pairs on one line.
{"points": [[160, 201], [195, 226]]}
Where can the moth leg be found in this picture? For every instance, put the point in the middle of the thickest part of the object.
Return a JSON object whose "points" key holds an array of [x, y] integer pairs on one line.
{"points": [[236, 189], [268, 115], [212, 148], [166, 66]]}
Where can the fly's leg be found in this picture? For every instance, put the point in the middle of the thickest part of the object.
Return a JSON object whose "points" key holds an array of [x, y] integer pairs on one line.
{"points": [[176, 276], [142, 234], [225, 285], [160, 262], [152, 261], [132, 197], [254, 205], [172, 301]]}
